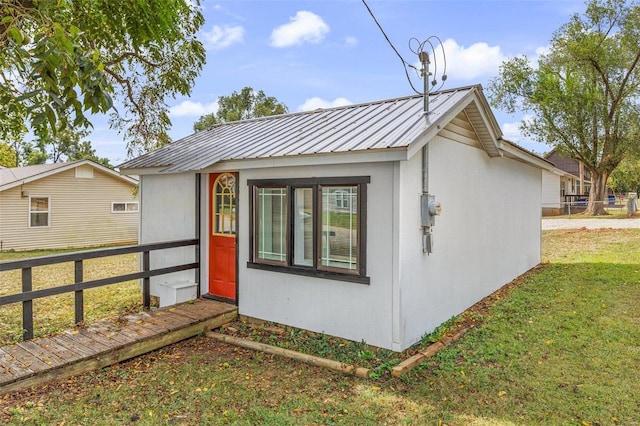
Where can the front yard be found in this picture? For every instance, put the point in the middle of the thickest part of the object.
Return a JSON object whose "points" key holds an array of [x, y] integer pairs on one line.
{"points": [[563, 347], [54, 314]]}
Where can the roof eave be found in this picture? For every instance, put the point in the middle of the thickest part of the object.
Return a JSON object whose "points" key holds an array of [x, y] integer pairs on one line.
{"points": [[485, 126], [66, 167], [517, 153]]}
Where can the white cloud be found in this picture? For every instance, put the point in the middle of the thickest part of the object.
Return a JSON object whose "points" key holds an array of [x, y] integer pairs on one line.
{"points": [[192, 109], [350, 41], [540, 51], [314, 103], [304, 27], [512, 131], [221, 37], [467, 63]]}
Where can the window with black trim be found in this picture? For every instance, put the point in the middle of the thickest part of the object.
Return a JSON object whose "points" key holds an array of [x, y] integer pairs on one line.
{"points": [[314, 226]]}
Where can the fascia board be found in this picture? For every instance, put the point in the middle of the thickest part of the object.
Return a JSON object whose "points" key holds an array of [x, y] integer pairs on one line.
{"points": [[373, 156], [518, 154], [432, 129]]}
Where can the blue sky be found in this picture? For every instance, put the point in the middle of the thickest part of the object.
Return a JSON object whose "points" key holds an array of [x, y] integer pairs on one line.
{"points": [[322, 53]]}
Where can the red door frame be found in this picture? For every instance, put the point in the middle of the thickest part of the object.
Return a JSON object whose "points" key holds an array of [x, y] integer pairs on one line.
{"points": [[223, 248]]}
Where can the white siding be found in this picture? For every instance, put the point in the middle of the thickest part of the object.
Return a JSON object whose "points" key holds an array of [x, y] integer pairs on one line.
{"points": [[488, 233], [80, 212], [550, 190], [168, 207], [354, 311]]}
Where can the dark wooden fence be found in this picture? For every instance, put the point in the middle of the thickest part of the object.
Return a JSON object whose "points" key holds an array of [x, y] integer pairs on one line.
{"points": [[28, 294]]}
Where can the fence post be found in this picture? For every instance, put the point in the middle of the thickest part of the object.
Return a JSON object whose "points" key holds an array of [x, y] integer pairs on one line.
{"points": [[146, 282], [79, 295], [27, 306]]}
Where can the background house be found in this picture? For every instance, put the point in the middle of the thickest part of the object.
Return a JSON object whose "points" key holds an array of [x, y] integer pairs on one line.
{"points": [[324, 220], [567, 184], [559, 188], [77, 204]]}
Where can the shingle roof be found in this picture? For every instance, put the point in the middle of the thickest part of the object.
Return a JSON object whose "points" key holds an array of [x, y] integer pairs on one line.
{"points": [[15, 174], [386, 124], [11, 177]]}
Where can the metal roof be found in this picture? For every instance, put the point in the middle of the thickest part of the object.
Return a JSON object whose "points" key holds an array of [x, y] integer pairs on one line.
{"points": [[386, 124]]}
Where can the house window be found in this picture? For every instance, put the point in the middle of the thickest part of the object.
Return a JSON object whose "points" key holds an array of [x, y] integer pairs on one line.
{"points": [[38, 211], [124, 207], [314, 227], [271, 224], [341, 199], [339, 242]]}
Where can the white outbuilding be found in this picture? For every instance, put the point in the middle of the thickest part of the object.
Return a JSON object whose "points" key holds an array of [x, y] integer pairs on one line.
{"points": [[374, 222]]}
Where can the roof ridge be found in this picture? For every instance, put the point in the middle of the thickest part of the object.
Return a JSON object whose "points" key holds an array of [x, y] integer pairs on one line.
{"points": [[343, 107]]}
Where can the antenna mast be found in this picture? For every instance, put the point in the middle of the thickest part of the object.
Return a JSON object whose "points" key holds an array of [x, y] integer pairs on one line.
{"points": [[425, 73]]}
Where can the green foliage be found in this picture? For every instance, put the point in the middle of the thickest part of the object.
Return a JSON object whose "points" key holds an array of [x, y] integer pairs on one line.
{"points": [[241, 106], [626, 177], [61, 61], [439, 332], [67, 145], [8, 156], [205, 121], [583, 94], [31, 154]]}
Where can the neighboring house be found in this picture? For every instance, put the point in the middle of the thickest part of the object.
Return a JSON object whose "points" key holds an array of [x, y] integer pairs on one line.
{"points": [[314, 219], [558, 189], [567, 184], [62, 205]]}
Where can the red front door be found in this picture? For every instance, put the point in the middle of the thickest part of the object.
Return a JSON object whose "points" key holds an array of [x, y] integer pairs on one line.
{"points": [[222, 236]]}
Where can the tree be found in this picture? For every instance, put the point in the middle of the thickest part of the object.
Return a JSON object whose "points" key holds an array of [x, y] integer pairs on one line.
{"points": [[63, 60], [241, 106], [8, 156], [21, 153], [30, 154], [626, 177], [205, 121], [66, 145], [584, 93]]}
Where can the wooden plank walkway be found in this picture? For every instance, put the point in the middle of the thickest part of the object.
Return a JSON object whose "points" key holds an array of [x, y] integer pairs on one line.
{"points": [[72, 352]]}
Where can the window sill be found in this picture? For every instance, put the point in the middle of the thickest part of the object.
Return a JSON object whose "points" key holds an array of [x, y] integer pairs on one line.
{"points": [[308, 272]]}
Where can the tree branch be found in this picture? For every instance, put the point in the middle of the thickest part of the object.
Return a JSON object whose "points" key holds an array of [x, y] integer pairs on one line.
{"points": [[135, 55], [625, 80], [127, 84]]}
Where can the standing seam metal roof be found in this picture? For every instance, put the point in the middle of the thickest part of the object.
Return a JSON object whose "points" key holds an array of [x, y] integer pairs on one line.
{"points": [[392, 123]]}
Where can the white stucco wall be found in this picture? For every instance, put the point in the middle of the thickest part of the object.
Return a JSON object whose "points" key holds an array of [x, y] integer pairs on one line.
{"points": [[354, 311], [488, 234], [167, 213]]}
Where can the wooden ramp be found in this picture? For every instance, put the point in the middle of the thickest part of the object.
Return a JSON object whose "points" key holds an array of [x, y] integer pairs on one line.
{"points": [[72, 352]]}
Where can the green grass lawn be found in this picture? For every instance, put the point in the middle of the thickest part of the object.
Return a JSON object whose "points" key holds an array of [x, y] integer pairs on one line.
{"points": [[562, 348], [54, 314]]}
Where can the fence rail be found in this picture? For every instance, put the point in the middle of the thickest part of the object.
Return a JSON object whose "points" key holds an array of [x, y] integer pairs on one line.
{"points": [[28, 294]]}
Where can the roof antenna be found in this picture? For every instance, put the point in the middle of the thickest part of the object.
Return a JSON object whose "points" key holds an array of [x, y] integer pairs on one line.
{"points": [[425, 73]]}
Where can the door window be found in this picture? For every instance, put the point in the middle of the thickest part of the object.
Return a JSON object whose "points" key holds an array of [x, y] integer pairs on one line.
{"points": [[224, 199]]}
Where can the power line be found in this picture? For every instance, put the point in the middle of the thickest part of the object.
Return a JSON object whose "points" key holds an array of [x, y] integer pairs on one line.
{"points": [[404, 63]]}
